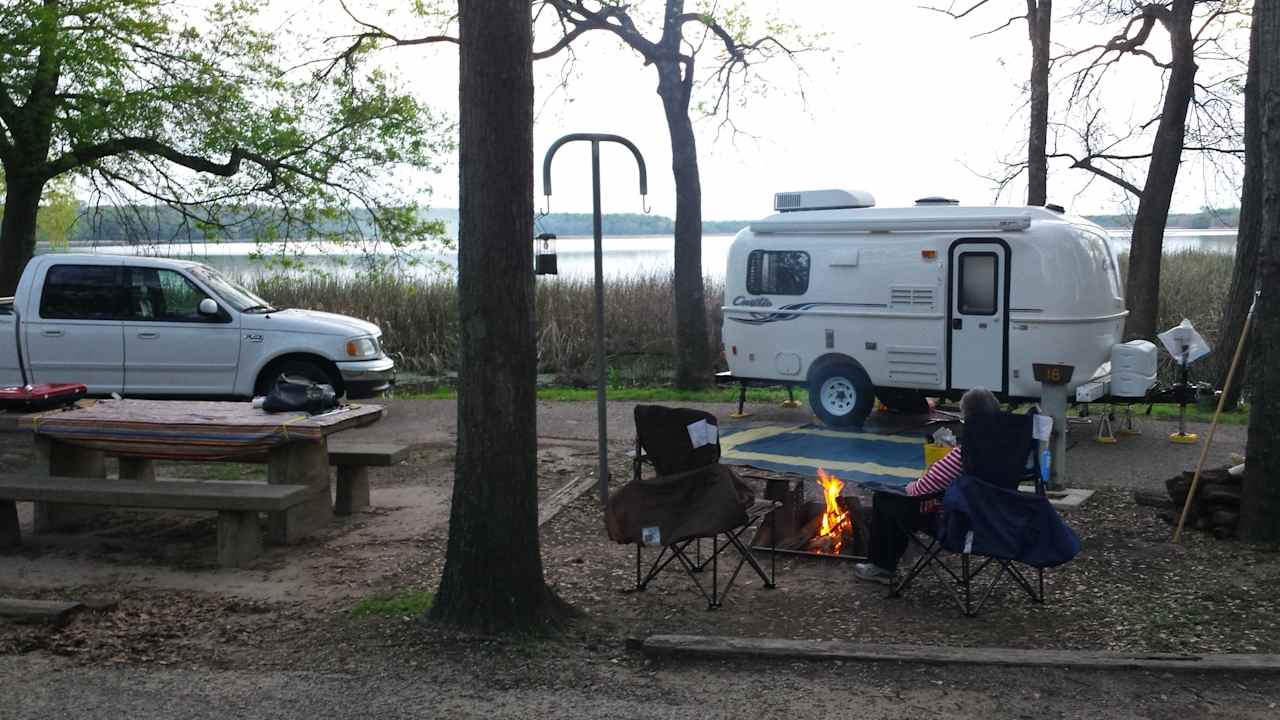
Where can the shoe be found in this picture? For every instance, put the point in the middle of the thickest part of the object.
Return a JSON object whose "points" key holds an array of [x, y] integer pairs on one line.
{"points": [[872, 573]]}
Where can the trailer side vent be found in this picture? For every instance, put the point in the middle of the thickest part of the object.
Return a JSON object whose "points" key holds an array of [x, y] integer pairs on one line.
{"points": [[914, 365], [905, 297]]}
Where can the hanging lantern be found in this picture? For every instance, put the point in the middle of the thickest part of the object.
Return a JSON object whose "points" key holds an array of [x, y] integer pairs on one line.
{"points": [[544, 254]]}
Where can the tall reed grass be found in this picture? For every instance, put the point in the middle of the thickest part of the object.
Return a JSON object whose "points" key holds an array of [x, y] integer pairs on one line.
{"points": [[419, 319]]}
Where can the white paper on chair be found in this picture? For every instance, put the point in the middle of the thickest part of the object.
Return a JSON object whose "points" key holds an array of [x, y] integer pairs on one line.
{"points": [[702, 433], [1043, 427], [651, 536]]}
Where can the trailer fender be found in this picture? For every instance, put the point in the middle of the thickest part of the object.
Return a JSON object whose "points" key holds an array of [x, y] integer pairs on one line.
{"points": [[840, 390]]}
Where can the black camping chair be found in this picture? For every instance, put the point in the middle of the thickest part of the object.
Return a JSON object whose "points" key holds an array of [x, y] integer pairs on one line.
{"points": [[687, 497], [988, 522]]}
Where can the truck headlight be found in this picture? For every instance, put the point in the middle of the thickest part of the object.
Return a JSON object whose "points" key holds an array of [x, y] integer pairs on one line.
{"points": [[365, 347]]}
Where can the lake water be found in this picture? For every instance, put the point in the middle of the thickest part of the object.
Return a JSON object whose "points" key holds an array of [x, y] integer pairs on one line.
{"points": [[623, 256]]}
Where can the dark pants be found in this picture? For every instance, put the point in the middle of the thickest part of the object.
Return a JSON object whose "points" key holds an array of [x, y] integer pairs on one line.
{"points": [[894, 518]]}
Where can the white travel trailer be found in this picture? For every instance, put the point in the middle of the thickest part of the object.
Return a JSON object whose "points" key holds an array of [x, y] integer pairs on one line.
{"points": [[854, 301]]}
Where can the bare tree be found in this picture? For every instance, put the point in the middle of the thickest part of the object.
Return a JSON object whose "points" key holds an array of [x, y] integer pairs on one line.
{"points": [[1244, 274], [492, 577], [1039, 18], [1192, 28], [1260, 503]]}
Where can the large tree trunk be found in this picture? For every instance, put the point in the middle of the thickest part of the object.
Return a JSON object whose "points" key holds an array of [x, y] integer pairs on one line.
{"points": [[1244, 274], [492, 580], [692, 355], [1142, 287], [1260, 504], [1039, 24], [18, 229]]}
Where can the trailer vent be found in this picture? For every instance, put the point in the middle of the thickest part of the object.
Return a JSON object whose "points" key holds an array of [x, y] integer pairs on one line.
{"points": [[786, 201], [914, 365], [822, 200], [904, 297]]}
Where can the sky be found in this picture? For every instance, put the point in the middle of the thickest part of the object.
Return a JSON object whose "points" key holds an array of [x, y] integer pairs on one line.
{"points": [[901, 102]]}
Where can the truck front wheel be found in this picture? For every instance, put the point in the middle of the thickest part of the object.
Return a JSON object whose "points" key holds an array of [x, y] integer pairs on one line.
{"points": [[841, 394], [299, 368]]}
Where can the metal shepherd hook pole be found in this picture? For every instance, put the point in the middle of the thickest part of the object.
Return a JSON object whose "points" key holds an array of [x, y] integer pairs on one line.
{"points": [[597, 229]]}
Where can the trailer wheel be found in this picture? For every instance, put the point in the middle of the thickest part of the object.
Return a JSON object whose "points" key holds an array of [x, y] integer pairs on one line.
{"points": [[841, 394]]}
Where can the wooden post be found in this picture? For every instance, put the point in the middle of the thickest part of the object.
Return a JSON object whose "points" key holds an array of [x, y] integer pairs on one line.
{"points": [[239, 538], [300, 463], [56, 459], [1053, 400], [352, 490]]}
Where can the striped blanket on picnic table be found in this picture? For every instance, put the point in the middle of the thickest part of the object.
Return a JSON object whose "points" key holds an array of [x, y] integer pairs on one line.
{"points": [[181, 430]]}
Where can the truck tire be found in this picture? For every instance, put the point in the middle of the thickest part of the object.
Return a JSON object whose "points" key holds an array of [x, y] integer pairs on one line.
{"points": [[909, 402], [841, 394], [295, 367]]}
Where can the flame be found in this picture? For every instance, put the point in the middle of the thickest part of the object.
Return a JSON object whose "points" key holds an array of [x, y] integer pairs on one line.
{"points": [[836, 522]]}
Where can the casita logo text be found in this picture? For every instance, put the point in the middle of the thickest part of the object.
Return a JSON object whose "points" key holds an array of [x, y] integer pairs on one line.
{"points": [[752, 302]]}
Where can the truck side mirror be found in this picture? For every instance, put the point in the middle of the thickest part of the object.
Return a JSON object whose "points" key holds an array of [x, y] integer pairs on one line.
{"points": [[208, 307]]}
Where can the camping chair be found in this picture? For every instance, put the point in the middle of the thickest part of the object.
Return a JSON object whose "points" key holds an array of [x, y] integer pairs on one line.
{"points": [[688, 498], [988, 522]]}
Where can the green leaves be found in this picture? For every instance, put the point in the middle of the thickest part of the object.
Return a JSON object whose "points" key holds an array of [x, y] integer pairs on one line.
{"points": [[211, 114]]}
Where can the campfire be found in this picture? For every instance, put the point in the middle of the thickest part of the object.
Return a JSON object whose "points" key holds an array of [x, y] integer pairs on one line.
{"points": [[837, 523], [832, 527]]}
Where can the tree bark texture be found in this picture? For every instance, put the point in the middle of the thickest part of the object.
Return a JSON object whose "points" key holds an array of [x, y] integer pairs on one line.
{"points": [[18, 229], [1039, 25], [691, 350], [1142, 286], [1260, 505], [692, 354], [1244, 273], [492, 579]]}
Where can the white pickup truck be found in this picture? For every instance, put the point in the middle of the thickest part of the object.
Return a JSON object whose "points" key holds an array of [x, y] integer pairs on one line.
{"points": [[143, 326]]}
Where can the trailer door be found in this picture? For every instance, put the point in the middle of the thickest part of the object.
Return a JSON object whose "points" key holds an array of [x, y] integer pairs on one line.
{"points": [[978, 315]]}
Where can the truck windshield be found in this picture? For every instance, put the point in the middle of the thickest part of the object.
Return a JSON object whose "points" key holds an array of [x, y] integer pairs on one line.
{"points": [[234, 295]]}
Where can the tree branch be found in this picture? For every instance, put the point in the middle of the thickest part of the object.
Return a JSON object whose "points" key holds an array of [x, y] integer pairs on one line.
{"points": [[1086, 164]]}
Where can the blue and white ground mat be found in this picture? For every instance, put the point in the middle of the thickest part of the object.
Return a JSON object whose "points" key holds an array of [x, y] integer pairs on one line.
{"points": [[851, 456]]}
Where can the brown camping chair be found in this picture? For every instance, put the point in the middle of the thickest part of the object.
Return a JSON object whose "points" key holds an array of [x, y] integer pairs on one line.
{"points": [[688, 497]]}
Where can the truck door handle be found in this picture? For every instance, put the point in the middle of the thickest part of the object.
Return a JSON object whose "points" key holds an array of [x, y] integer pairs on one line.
{"points": [[957, 324], [52, 333], [148, 335]]}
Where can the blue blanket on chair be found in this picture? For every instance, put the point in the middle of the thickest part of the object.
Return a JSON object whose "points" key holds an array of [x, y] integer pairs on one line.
{"points": [[1006, 524]]}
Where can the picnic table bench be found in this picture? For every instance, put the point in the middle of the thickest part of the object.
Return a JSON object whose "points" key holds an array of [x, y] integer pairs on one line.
{"points": [[353, 460], [237, 504]]}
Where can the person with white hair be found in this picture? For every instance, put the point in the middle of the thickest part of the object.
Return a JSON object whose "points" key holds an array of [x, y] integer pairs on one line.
{"points": [[894, 516]]}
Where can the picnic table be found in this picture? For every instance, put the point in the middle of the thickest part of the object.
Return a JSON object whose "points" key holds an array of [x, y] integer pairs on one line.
{"points": [[73, 444]]}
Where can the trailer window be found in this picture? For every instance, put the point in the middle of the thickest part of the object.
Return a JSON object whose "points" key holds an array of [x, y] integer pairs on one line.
{"points": [[978, 284], [81, 292], [777, 272]]}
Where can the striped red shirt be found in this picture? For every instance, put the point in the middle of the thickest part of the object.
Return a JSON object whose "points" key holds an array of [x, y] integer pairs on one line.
{"points": [[938, 477]]}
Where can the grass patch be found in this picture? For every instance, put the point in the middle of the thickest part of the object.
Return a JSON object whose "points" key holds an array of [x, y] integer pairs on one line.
{"points": [[625, 393], [413, 602]]}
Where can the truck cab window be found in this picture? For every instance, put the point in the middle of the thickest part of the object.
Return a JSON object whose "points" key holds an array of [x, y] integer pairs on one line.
{"points": [[777, 272], [163, 295], [81, 292], [978, 283]]}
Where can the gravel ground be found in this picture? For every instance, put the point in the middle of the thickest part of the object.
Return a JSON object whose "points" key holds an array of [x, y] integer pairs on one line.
{"points": [[166, 649], [596, 685]]}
